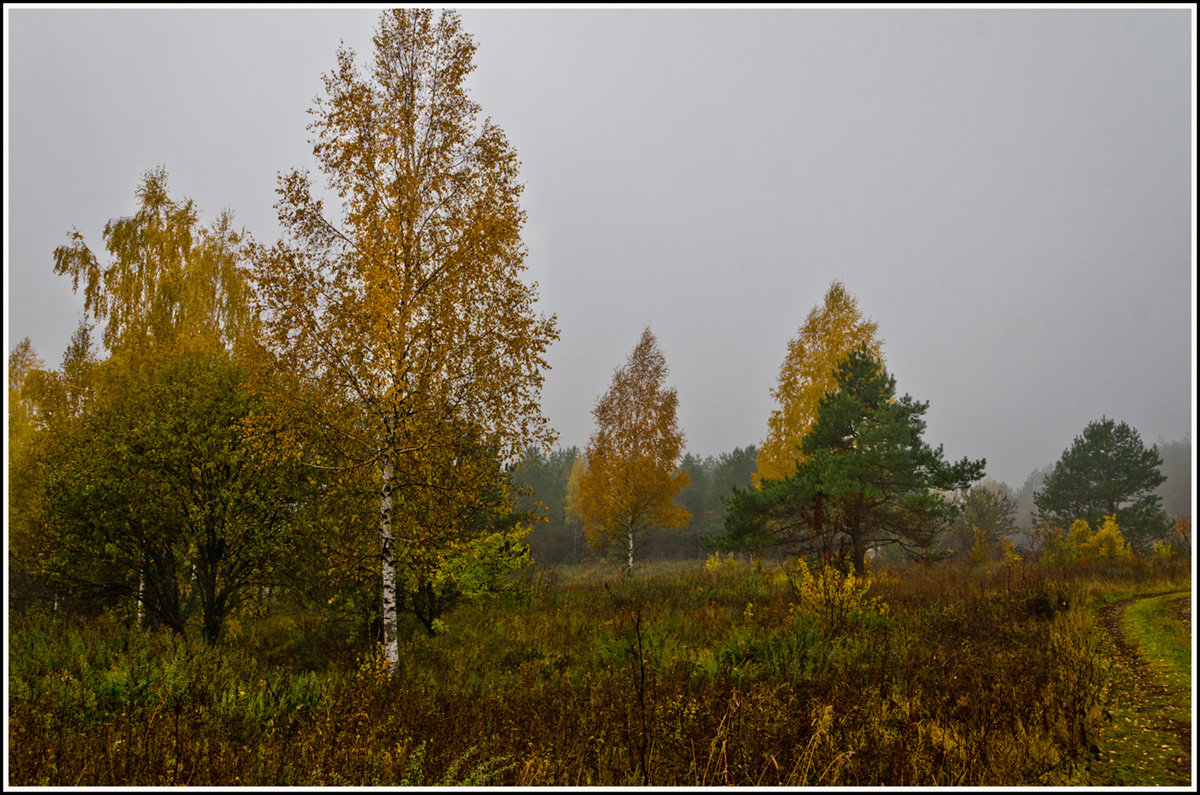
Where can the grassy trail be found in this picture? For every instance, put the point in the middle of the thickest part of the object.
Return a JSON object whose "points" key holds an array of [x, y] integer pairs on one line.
{"points": [[1148, 739]]}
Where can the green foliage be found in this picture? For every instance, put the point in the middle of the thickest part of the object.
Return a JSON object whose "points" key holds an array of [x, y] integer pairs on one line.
{"points": [[988, 508], [462, 537], [481, 567], [867, 479], [156, 494], [710, 481], [1107, 472], [541, 484]]}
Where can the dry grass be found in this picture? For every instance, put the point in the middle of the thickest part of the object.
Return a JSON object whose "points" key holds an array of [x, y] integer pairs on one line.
{"points": [[681, 679]]}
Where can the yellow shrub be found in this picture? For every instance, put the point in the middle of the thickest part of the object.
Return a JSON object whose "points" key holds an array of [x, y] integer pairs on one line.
{"points": [[715, 564], [1107, 543], [979, 550], [833, 595]]}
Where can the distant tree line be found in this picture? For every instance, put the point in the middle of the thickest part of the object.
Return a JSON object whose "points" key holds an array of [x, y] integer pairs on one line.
{"points": [[543, 483]]}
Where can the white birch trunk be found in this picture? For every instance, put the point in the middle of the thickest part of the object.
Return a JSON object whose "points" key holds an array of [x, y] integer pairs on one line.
{"points": [[629, 566], [391, 644], [141, 596]]}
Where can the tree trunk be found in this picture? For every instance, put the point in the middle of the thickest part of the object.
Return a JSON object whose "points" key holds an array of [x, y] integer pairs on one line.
{"points": [[629, 565], [391, 643], [860, 555]]}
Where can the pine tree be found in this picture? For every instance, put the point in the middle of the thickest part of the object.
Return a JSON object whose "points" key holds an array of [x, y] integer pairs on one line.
{"points": [[1107, 471], [867, 479]]}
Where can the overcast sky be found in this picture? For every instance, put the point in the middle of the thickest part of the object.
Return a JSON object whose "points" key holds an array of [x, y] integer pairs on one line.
{"points": [[1007, 193]]}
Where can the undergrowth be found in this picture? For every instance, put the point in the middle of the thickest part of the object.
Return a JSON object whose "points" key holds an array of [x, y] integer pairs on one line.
{"points": [[726, 676]]}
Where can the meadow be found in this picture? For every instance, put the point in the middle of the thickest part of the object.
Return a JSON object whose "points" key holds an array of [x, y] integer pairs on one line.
{"points": [[689, 674]]}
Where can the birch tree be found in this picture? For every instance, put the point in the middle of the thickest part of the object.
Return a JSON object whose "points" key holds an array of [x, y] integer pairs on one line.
{"points": [[408, 302], [632, 475], [23, 362], [829, 333], [167, 277]]}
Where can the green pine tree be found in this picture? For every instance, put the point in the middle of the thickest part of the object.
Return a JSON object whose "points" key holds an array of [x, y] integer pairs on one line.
{"points": [[1107, 471], [867, 479]]}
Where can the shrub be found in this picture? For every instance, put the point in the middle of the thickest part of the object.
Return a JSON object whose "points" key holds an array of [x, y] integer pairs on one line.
{"points": [[836, 597]]}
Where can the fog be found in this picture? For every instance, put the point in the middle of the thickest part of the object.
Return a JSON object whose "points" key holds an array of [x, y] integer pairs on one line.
{"points": [[1007, 193]]}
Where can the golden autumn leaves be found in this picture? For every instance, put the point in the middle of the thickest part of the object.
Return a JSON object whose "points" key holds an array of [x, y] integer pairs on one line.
{"points": [[410, 306], [829, 333], [399, 335], [632, 476]]}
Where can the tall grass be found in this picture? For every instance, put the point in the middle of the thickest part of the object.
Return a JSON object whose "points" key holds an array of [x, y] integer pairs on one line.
{"points": [[680, 678]]}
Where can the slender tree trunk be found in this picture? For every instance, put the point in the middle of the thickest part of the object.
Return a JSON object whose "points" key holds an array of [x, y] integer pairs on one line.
{"points": [[391, 644], [629, 565], [141, 596]]}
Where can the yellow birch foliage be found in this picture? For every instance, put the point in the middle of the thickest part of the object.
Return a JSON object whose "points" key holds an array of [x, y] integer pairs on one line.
{"points": [[406, 310], [578, 470], [168, 278], [632, 474], [829, 333], [411, 304], [23, 361]]}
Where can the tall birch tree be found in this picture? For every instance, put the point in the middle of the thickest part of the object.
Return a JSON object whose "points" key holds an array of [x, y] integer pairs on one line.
{"points": [[408, 303], [632, 475]]}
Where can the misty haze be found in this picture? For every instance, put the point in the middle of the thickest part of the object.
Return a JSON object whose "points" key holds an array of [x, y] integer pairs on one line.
{"points": [[600, 397]]}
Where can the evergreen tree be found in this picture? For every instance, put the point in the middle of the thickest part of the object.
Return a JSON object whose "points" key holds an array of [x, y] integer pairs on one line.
{"points": [[1107, 471], [867, 479]]}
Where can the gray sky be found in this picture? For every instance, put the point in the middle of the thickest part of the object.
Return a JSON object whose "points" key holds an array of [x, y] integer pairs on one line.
{"points": [[1007, 193]]}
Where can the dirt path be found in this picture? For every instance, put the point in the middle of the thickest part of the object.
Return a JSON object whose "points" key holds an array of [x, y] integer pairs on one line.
{"points": [[1139, 689]]}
